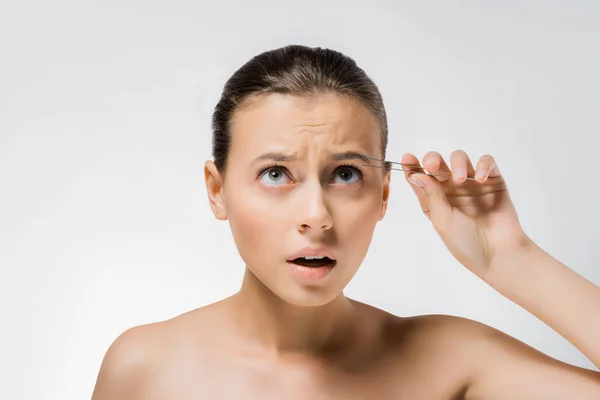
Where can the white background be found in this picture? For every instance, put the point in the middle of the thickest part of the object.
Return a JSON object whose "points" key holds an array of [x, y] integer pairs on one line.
{"points": [[105, 114]]}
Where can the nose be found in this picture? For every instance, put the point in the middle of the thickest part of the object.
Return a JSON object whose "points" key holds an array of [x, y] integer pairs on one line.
{"points": [[313, 212]]}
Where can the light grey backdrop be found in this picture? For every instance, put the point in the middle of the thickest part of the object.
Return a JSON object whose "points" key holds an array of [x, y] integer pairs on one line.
{"points": [[105, 126]]}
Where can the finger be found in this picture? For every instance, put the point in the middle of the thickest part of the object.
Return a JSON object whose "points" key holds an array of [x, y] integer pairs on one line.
{"points": [[435, 164], [432, 199], [411, 174], [486, 167], [411, 164], [430, 194], [461, 166]]}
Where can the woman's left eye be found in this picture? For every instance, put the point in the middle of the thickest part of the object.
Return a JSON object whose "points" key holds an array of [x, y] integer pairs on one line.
{"points": [[348, 173]]}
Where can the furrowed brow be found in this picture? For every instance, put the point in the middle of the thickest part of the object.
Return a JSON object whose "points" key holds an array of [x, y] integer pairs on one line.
{"points": [[351, 155], [278, 157], [347, 155]]}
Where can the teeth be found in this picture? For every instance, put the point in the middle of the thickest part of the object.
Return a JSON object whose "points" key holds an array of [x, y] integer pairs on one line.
{"points": [[314, 257]]}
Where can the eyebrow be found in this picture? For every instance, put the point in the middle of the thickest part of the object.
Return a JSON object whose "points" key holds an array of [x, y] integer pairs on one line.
{"points": [[346, 155]]}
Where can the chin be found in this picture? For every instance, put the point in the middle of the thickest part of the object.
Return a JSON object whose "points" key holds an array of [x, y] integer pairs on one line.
{"points": [[308, 297], [300, 292]]}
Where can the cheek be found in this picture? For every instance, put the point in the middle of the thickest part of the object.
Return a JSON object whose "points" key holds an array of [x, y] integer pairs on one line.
{"points": [[255, 226], [355, 222], [357, 208]]}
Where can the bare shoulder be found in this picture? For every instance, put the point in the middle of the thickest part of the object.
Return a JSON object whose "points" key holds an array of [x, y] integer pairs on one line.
{"points": [[130, 361], [435, 345], [445, 338], [482, 347], [451, 331], [497, 364], [138, 361]]}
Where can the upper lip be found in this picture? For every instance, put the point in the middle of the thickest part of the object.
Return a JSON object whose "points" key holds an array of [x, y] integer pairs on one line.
{"points": [[320, 251]]}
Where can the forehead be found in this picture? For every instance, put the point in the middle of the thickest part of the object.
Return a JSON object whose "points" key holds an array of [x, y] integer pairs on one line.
{"points": [[326, 120]]}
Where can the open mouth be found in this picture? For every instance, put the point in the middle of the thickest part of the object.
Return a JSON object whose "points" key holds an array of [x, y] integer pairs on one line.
{"points": [[314, 262]]}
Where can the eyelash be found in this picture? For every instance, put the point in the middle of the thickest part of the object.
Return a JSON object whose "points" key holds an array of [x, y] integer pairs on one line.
{"points": [[354, 168]]}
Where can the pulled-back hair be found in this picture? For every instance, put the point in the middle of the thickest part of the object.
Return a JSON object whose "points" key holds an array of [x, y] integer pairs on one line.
{"points": [[295, 70]]}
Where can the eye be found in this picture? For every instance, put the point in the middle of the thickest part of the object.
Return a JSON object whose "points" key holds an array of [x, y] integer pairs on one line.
{"points": [[273, 176], [347, 173]]}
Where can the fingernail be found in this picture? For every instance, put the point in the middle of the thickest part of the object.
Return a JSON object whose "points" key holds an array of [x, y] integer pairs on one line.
{"points": [[416, 181], [431, 166], [460, 173], [480, 174]]}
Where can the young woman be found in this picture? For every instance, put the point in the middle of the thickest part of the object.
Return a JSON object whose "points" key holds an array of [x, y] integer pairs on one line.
{"points": [[291, 134]]}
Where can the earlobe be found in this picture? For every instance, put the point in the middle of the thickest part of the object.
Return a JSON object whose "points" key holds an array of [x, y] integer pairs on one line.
{"points": [[214, 188], [385, 197]]}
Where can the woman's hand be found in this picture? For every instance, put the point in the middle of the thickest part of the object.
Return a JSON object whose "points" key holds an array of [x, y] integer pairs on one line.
{"points": [[475, 219]]}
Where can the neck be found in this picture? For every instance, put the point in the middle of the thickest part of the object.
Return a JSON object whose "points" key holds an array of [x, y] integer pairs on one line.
{"points": [[265, 320]]}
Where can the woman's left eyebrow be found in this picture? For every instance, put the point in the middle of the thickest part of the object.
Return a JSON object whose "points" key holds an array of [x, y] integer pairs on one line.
{"points": [[351, 155]]}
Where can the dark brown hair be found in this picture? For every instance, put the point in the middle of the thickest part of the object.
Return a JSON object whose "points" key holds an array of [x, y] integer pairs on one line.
{"points": [[295, 70]]}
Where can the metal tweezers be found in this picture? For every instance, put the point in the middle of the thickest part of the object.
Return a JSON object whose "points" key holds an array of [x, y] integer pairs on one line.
{"points": [[439, 173]]}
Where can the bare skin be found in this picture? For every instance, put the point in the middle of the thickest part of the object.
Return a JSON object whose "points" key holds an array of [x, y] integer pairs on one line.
{"points": [[285, 337]]}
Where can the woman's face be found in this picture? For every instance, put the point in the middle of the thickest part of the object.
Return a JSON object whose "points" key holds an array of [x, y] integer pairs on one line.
{"points": [[288, 186]]}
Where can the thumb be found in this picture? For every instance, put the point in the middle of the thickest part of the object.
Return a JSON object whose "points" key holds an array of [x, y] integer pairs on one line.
{"points": [[432, 198]]}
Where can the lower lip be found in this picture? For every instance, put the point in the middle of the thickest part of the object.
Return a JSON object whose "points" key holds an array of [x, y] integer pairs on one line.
{"points": [[310, 273]]}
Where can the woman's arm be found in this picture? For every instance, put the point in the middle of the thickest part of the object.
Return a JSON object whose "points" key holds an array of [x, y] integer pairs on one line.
{"points": [[506, 368], [502, 367], [478, 223], [557, 295]]}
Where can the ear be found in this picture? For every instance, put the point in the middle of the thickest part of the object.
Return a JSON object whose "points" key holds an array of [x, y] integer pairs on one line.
{"points": [[214, 187], [386, 194]]}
